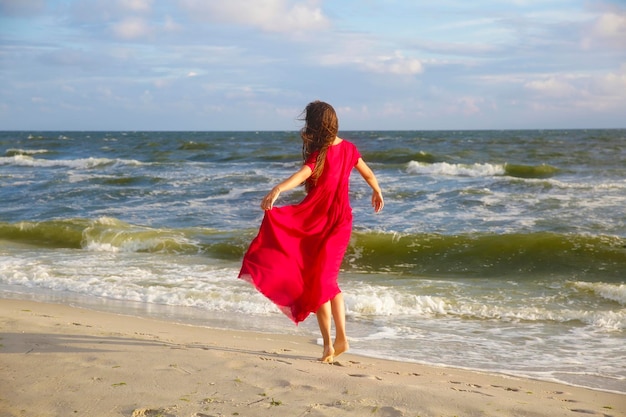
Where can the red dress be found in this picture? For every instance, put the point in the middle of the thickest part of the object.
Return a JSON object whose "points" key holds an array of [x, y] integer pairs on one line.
{"points": [[295, 258]]}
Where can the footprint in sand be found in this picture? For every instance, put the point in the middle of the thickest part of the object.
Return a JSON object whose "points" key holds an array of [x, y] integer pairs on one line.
{"points": [[473, 391], [390, 412], [365, 376], [507, 388]]}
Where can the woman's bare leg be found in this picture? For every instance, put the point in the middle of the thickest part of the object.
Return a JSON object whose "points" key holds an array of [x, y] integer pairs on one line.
{"points": [[339, 316], [324, 320]]}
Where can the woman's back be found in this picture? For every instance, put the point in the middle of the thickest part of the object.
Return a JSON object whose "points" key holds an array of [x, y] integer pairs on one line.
{"points": [[330, 193]]}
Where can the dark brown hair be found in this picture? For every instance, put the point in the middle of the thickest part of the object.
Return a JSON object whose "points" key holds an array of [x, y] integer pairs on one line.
{"points": [[320, 130]]}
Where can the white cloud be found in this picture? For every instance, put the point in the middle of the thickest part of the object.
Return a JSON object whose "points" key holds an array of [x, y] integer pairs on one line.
{"points": [[552, 87], [602, 92], [615, 83], [170, 25], [469, 105], [610, 90], [457, 48], [131, 28], [161, 83], [141, 6], [607, 29], [268, 15], [396, 64], [612, 25], [241, 92]]}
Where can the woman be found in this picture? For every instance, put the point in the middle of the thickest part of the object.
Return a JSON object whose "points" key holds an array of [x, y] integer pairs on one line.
{"points": [[295, 258]]}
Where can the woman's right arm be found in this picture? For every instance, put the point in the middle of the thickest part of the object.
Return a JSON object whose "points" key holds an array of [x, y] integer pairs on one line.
{"points": [[368, 175], [292, 182]]}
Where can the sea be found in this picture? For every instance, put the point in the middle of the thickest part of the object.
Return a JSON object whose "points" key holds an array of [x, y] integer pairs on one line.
{"points": [[500, 251]]}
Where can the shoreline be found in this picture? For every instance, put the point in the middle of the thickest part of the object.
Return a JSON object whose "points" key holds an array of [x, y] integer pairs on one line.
{"points": [[191, 316], [61, 360]]}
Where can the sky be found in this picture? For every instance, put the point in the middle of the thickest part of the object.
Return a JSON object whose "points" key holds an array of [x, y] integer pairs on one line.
{"points": [[246, 65]]}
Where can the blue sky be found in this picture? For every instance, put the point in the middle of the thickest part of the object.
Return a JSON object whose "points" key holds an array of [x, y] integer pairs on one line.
{"points": [[255, 64]]}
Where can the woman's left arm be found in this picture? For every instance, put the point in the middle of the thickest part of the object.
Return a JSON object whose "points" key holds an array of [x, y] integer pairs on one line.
{"points": [[292, 182], [368, 175]]}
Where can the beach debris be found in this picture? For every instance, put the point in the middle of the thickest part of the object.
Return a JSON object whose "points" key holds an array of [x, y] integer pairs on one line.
{"points": [[152, 412]]}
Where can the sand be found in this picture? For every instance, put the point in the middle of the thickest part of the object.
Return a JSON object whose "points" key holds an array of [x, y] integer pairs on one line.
{"points": [[57, 360]]}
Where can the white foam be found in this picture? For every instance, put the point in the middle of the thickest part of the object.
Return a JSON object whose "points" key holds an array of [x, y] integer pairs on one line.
{"points": [[109, 221], [456, 170], [614, 292], [145, 278], [575, 185], [81, 163], [380, 301], [369, 300], [603, 320]]}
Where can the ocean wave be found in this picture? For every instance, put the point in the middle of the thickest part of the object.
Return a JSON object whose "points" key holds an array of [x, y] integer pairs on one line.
{"points": [[372, 301], [457, 170], [107, 234], [613, 292], [51, 233], [112, 235], [152, 279], [530, 171], [422, 254], [103, 234], [193, 282], [194, 146], [488, 255], [39, 137], [384, 301], [604, 320], [481, 170], [15, 152], [81, 163]]}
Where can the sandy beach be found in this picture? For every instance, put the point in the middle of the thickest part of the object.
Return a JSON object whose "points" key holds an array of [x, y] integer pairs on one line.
{"points": [[57, 360]]}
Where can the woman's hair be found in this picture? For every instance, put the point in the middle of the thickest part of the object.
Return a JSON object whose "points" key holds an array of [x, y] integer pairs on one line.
{"points": [[320, 130]]}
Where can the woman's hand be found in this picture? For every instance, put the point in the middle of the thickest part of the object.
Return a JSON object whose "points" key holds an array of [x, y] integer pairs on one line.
{"points": [[377, 201], [293, 181], [270, 198]]}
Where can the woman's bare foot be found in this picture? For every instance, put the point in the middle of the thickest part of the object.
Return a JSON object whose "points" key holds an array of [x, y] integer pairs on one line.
{"points": [[328, 355], [340, 346]]}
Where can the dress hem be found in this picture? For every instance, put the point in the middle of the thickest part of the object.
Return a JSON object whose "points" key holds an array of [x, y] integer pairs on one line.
{"points": [[286, 310]]}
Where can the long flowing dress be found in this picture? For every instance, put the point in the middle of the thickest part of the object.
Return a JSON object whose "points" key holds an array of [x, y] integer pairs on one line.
{"points": [[295, 258]]}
